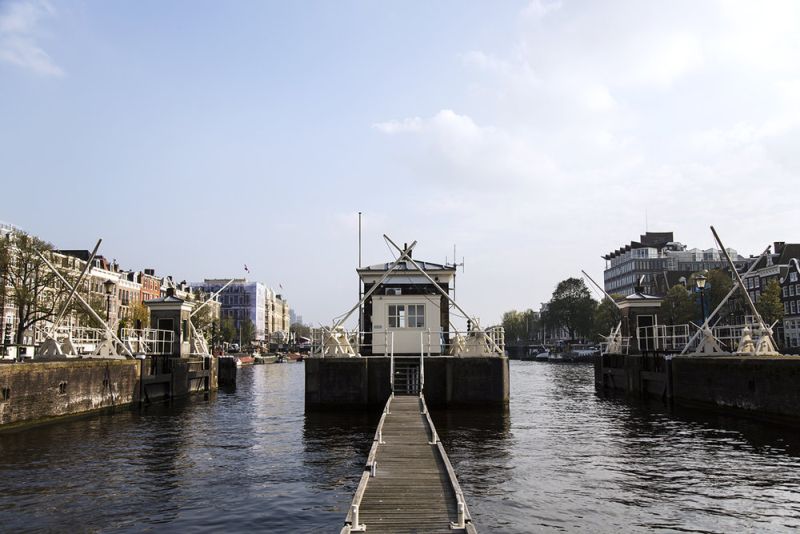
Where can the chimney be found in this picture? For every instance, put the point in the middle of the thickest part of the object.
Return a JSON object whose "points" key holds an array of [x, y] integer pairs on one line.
{"points": [[150, 272], [170, 291]]}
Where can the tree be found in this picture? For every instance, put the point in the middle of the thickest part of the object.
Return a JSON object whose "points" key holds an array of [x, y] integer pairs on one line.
{"points": [[572, 307], [32, 286], [97, 303], [228, 330], [769, 305], [518, 326], [248, 330], [679, 307], [721, 284], [204, 319], [300, 329], [606, 316], [140, 315]]}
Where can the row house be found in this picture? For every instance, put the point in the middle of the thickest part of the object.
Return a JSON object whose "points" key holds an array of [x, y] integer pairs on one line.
{"points": [[773, 266], [278, 317], [150, 285], [790, 294]]}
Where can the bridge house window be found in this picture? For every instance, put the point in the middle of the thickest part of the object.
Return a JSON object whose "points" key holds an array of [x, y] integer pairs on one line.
{"points": [[397, 316], [416, 316], [406, 316]]}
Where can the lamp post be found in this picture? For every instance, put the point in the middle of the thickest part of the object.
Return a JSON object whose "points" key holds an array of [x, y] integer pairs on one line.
{"points": [[109, 287], [700, 282]]}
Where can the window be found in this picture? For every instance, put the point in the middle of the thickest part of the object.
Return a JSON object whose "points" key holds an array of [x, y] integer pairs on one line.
{"points": [[416, 316], [793, 277], [793, 307], [785, 291], [397, 316], [406, 316], [791, 290]]}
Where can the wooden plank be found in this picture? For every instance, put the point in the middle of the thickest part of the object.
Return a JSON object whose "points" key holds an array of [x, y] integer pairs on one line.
{"points": [[415, 489]]}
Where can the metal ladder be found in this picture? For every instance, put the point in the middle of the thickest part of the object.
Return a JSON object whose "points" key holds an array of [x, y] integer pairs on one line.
{"points": [[406, 377]]}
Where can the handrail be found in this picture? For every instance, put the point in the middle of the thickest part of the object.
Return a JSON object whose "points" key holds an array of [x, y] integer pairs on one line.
{"points": [[464, 520], [391, 367], [352, 523], [422, 361]]}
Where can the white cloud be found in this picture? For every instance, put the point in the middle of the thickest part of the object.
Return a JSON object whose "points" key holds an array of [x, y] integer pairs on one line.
{"points": [[537, 9], [599, 112], [19, 21], [454, 149], [413, 124]]}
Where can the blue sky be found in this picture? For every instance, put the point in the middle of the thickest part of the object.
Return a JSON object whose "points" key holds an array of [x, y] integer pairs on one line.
{"points": [[195, 137]]}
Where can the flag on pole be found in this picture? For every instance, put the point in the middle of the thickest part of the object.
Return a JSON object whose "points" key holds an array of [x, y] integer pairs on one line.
{"points": [[245, 268]]}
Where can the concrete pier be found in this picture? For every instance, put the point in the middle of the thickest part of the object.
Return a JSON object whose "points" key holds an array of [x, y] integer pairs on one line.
{"points": [[336, 382], [37, 392], [761, 386]]}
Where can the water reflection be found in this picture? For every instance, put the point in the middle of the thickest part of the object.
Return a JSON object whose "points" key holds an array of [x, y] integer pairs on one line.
{"points": [[560, 458]]}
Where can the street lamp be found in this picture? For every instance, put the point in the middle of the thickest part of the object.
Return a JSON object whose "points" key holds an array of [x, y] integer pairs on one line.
{"points": [[700, 282], [109, 287]]}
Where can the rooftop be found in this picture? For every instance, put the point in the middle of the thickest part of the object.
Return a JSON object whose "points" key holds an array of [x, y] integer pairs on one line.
{"points": [[407, 266]]}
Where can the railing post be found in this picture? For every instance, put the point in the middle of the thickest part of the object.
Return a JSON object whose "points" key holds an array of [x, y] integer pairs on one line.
{"points": [[429, 342], [356, 527], [461, 523], [391, 366], [421, 362]]}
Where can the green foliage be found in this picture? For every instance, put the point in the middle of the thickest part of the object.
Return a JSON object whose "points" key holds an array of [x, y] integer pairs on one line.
{"points": [[228, 330], [679, 306], [769, 305], [721, 284], [519, 326], [97, 303], [140, 314], [572, 307], [248, 330], [606, 316], [203, 320], [300, 329]]}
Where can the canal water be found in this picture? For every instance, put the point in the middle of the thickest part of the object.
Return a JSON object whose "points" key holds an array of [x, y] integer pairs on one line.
{"points": [[560, 459]]}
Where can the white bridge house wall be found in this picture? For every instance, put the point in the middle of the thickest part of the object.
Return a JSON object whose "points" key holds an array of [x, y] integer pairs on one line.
{"points": [[407, 340]]}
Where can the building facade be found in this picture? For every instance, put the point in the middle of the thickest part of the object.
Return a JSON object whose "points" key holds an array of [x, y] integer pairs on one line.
{"points": [[240, 300], [656, 261], [278, 316]]}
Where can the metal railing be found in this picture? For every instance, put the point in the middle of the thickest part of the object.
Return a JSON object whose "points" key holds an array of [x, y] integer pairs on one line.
{"points": [[675, 338], [352, 522], [463, 517], [621, 346], [474, 342], [664, 338], [327, 342], [422, 359], [148, 340]]}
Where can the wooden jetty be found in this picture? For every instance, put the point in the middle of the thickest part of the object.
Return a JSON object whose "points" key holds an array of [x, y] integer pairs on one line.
{"points": [[408, 484]]}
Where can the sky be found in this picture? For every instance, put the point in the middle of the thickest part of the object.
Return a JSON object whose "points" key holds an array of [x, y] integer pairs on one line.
{"points": [[196, 137]]}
